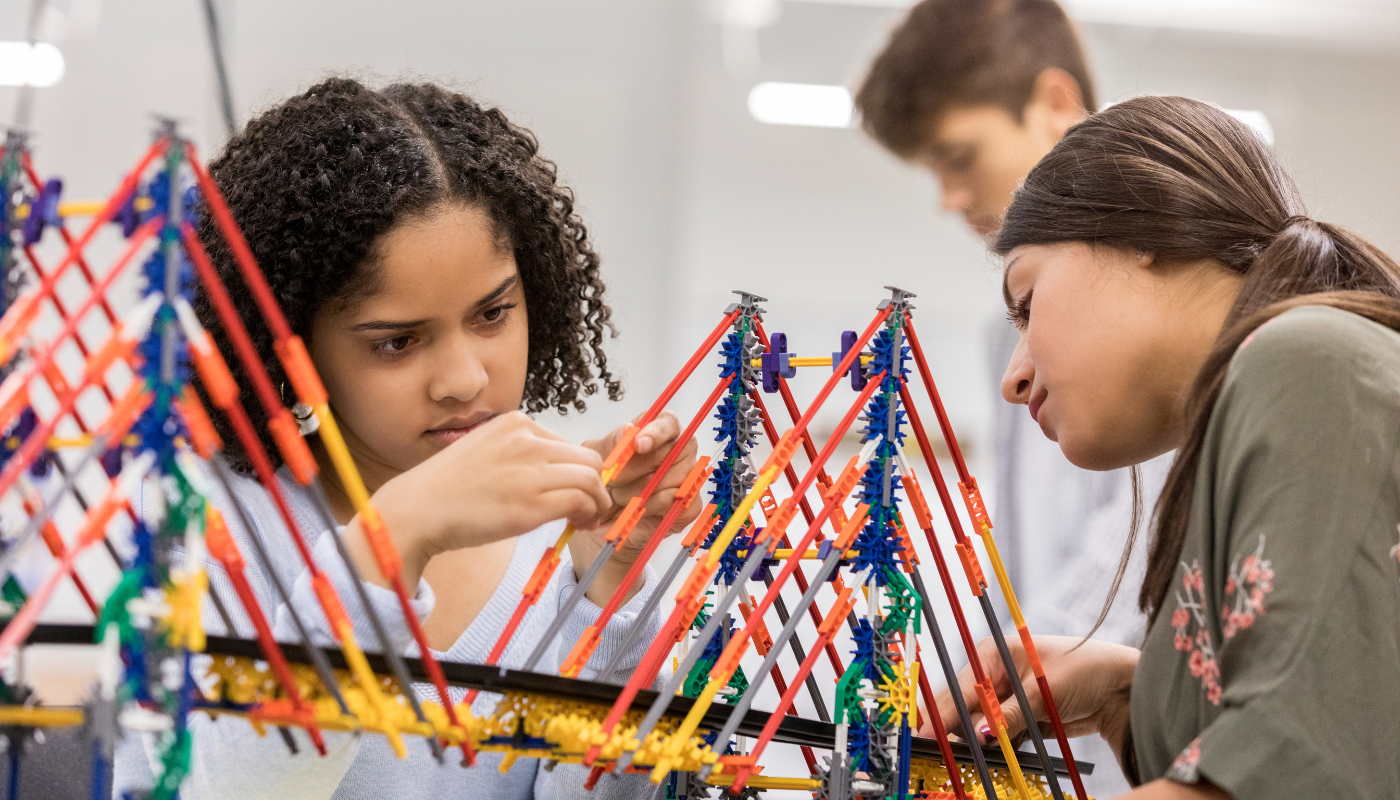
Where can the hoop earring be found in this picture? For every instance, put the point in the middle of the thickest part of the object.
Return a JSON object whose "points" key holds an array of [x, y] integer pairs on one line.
{"points": [[307, 422]]}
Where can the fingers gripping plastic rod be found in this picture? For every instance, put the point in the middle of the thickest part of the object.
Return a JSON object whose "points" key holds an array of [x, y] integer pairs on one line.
{"points": [[616, 460], [617, 534]]}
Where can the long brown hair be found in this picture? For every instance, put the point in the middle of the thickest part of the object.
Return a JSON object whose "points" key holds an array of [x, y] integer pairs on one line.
{"points": [[1185, 181]]}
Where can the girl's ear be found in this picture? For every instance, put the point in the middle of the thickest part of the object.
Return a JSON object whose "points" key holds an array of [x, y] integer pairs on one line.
{"points": [[1145, 259]]}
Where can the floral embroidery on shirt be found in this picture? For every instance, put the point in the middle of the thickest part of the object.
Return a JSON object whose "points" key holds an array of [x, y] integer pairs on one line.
{"points": [[1190, 613], [1249, 581], [1186, 767]]}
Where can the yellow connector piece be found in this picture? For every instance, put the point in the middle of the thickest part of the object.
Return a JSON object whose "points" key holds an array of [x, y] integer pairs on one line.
{"points": [[239, 681], [378, 716], [185, 595], [672, 751], [899, 690]]}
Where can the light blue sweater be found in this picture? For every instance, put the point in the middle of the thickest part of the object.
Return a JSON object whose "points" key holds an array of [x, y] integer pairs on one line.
{"points": [[231, 761]]}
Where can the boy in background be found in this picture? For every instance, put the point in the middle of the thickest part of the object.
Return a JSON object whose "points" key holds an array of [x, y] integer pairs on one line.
{"points": [[977, 92]]}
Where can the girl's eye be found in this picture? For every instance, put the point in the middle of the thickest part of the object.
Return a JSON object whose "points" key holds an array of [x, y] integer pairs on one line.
{"points": [[1020, 312], [394, 346], [497, 315]]}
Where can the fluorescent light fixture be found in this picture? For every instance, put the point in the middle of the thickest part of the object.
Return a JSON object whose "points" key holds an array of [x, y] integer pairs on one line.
{"points": [[1256, 120], [802, 104], [23, 64]]}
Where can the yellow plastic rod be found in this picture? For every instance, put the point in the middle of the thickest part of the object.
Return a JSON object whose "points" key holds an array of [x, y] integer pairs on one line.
{"points": [[762, 782], [681, 736], [84, 208], [811, 361], [1018, 779], [40, 717], [809, 555]]}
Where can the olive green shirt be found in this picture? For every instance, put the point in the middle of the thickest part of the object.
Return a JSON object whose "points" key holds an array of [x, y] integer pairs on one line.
{"points": [[1273, 668]]}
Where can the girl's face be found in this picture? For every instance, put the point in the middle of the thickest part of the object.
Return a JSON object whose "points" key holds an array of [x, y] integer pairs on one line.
{"points": [[438, 348], [1110, 343]]}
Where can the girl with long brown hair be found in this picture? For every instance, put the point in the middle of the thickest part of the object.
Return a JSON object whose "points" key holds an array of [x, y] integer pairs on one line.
{"points": [[1172, 293]]}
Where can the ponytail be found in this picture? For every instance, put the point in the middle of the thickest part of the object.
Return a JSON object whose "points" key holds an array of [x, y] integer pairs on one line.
{"points": [[1187, 182], [1307, 256]]}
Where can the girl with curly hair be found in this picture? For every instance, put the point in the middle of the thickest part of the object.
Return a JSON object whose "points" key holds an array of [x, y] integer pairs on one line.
{"points": [[443, 283], [1172, 293]]}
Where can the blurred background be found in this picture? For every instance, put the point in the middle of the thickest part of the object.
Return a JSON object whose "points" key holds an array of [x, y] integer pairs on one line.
{"points": [[645, 107], [650, 110]]}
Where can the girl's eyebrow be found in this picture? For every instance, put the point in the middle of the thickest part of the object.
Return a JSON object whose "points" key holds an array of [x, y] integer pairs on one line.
{"points": [[388, 325], [1006, 290], [501, 289], [393, 325]]}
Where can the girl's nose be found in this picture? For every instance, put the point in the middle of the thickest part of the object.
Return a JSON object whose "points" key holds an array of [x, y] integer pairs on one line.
{"points": [[459, 375], [1020, 374]]}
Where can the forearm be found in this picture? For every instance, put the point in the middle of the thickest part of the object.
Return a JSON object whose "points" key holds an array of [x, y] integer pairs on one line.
{"points": [[626, 626], [584, 549], [307, 603], [410, 530]]}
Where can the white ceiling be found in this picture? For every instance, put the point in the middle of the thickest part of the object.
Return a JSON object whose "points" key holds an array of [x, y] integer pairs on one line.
{"points": [[1374, 22]]}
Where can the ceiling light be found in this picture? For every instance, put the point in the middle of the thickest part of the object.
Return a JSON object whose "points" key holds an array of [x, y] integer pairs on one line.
{"points": [[25, 64], [802, 104]]}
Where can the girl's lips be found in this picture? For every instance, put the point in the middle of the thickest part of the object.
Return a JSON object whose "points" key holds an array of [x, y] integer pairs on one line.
{"points": [[1035, 405], [446, 436], [454, 430]]}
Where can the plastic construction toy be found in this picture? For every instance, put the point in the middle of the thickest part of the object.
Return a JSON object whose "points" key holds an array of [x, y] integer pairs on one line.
{"points": [[107, 445]]}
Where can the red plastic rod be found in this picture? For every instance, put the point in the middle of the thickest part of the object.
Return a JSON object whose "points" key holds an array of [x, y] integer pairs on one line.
{"points": [[839, 609], [38, 439], [581, 652], [222, 547], [650, 664], [24, 308]]}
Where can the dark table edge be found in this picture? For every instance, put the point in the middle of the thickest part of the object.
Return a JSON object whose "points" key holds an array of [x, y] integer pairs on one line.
{"points": [[792, 730]]}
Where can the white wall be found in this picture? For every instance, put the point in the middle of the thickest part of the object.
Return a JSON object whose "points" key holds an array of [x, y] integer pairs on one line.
{"points": [[687, 196]]}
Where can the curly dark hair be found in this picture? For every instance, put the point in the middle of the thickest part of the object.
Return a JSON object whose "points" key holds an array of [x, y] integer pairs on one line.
{"points": [[315, 182]]}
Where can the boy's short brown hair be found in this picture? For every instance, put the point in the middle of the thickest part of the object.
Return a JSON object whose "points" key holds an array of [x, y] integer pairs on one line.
{"points": [[965, 52]]}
